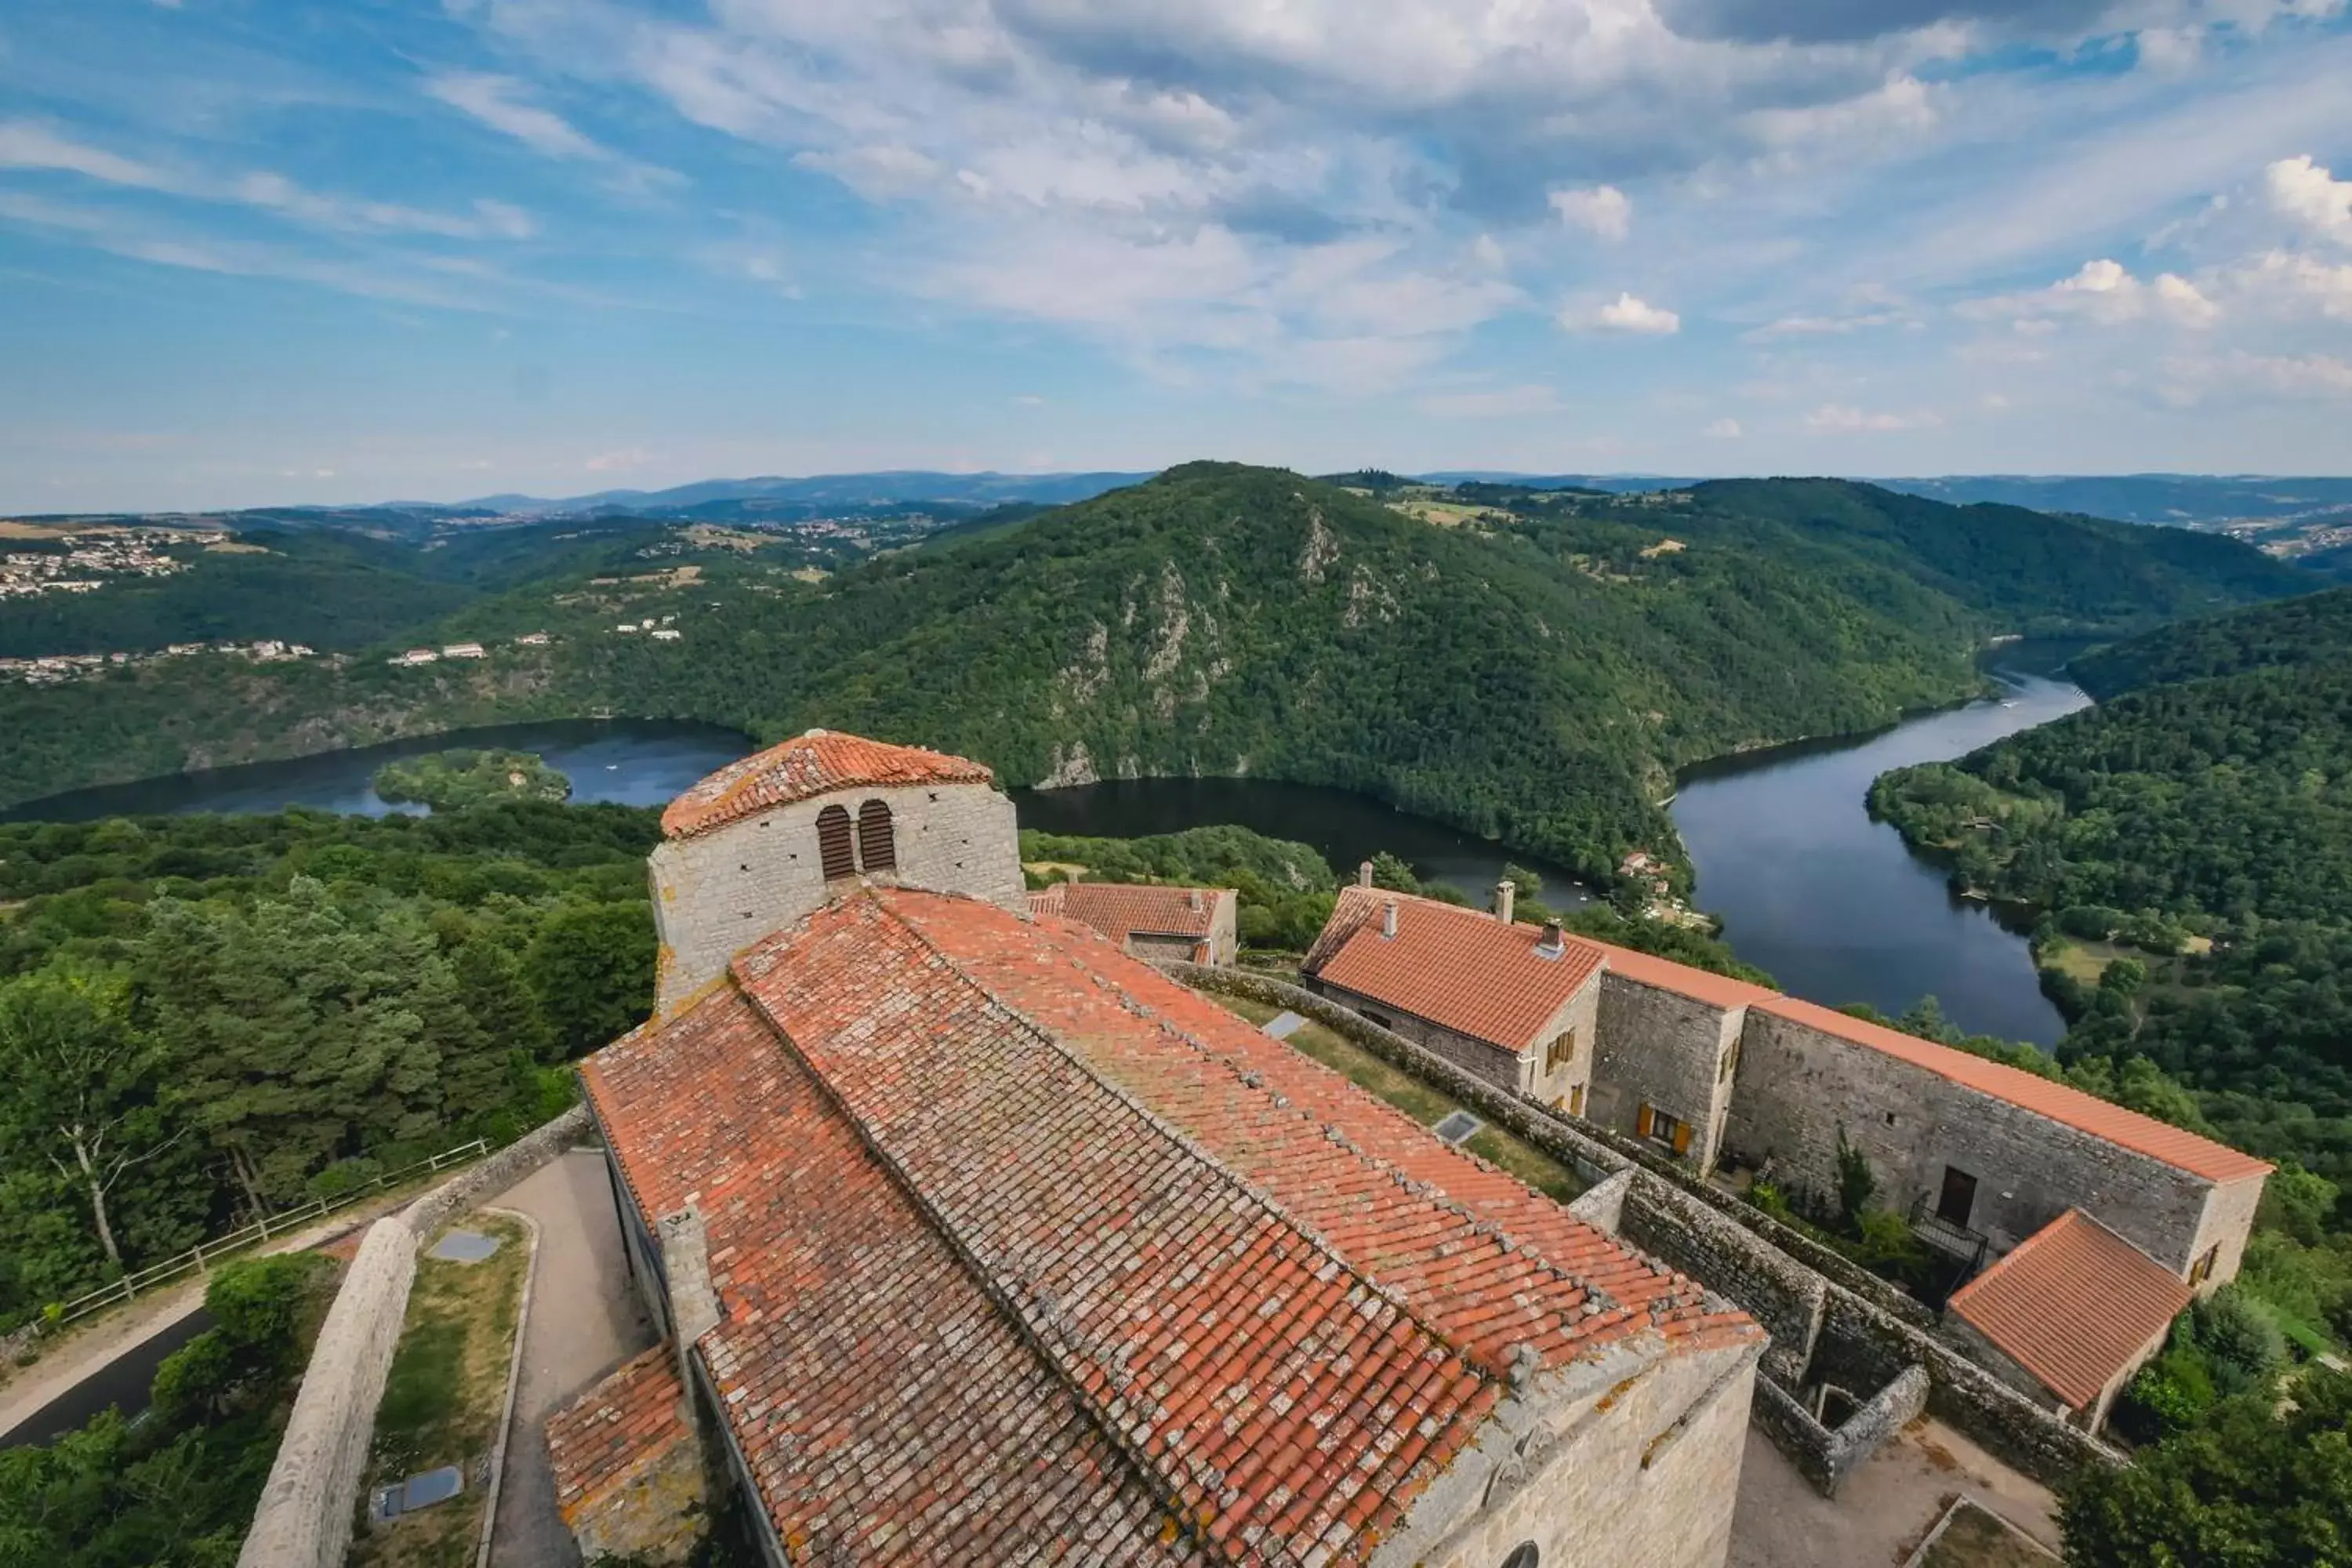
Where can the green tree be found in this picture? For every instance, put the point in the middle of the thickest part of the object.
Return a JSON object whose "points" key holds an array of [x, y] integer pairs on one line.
{"points": [[82, 1083], [1857, 1184], [591, 968], [2246, 1487]]}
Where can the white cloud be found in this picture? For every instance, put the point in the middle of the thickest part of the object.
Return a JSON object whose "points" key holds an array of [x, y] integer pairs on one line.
{"points": [[1603, 210], [1825, 326], [2301, 189], [2243, 376], [489, 219], [2289, 284], [1723, 430], [25, 146], [1625, 313], [2104, 292], [502, 103], [1844, 419]]}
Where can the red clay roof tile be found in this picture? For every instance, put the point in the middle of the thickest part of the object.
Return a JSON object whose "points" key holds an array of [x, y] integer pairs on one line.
{"points": [[938, 1145], [817, 762], [1120, 910], [2072, 1304], [615, 1429], [1456, 967]]}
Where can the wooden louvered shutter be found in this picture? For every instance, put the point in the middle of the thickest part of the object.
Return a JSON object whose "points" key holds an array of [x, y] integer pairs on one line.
{"points": [[1682, 1137], [833, 843], [877, 850], [1641, 1122]]}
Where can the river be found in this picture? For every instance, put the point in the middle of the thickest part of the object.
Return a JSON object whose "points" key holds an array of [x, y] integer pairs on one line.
{"points": [[1832, 904], [1808, 886]]}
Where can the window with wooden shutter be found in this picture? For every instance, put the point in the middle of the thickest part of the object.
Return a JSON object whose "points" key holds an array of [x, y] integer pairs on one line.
{"points": [[834, 843], [1576, 1101], [1642, 1119], [1682, 1137], [877, 851]]}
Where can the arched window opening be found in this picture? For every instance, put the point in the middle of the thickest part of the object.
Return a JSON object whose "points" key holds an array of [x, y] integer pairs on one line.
{"points": [[875, 847], [834, 845]]}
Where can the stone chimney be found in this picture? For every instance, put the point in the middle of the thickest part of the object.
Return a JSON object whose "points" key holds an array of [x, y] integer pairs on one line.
{"points": [[1388, 919], [1193, 900], [1554, 943], [1364, 875], [1506, 893]]}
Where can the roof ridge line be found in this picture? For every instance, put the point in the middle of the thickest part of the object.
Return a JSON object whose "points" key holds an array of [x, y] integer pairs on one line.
{"points": [[1600, 1299], [1191, 1148], [1185, 1510]]}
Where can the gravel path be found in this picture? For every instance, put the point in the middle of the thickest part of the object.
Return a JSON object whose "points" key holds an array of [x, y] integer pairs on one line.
{"points": [[585, 1320]]}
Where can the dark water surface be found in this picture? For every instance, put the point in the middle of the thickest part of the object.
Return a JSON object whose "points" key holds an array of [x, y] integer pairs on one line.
{"points": [[1808, 886], [1344, 829], [1831, 903], [622, 761]]}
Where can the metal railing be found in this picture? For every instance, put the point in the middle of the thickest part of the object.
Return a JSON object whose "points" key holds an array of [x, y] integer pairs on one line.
{"points": [[1955, 1241], [204, 1254]]}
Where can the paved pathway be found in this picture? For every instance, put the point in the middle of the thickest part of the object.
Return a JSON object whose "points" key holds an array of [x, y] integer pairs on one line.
{"points": [[585, 1320], [105, 1336], [1884, 1508]]}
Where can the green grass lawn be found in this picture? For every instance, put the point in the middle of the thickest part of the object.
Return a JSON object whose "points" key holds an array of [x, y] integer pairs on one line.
{"points": [[1416, 1098], [444, 1397]]}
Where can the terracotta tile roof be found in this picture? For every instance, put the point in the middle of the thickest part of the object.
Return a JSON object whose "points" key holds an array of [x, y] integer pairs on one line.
{"points": [[1456, 967], [2074, 1304], [1120, 910], [814, 763], [1441, 983], [615, 1430], [888, 1412], [2062, 1103], [1233, 1285]]}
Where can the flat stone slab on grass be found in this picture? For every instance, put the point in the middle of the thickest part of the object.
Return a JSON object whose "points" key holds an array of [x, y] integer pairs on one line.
{"points": [[420, 1491], [1282, 1026], [1972, 1536], [463, 1246], [1457, 1126]]}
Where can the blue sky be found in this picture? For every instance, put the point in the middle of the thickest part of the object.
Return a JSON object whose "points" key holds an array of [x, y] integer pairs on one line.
{"points": [[256, 252]]}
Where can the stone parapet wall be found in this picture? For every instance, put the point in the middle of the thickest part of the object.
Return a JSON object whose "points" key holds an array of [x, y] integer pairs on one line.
{"points": [[1860, 1325], [1826, 1456], [304, 1519], [496, 1173]]}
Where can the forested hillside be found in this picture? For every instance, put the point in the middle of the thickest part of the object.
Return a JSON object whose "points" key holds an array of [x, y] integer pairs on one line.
{"points": [[226, 1013], [2314, 631], [2190, 848], [1535, 673]]}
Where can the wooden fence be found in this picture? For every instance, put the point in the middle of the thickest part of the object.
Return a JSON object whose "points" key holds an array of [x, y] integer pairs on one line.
{"points": [[204, 1254]]}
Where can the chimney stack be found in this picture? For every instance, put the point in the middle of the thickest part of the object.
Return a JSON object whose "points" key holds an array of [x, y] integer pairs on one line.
{"points": [[1193, 900], [1364, 875], [1505, 893], [1388, 919], [1553, 944]]}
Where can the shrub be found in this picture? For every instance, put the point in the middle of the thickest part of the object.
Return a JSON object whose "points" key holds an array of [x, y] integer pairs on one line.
{"points": [[194, 1382], [2241, 1341], [1857, 1184], [2170, 1394]]}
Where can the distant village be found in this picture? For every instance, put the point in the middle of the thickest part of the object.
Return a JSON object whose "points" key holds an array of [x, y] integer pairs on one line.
{"points": [[56, 669], [86, 560]]}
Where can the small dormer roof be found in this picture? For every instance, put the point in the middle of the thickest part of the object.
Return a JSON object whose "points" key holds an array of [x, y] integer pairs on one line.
{"points": [[816, 763]]}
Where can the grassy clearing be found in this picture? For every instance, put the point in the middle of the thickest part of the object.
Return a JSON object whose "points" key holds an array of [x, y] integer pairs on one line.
{"points": [[1417, 1099], [443, 1399]]}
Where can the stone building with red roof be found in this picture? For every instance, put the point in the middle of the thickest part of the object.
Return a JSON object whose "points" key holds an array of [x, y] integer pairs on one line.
{"points": [[1155, 921], [979, 1240], [1985, 1160]]}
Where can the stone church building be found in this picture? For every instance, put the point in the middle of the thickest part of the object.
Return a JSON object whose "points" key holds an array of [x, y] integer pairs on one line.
{"points": [[978, 1240]]}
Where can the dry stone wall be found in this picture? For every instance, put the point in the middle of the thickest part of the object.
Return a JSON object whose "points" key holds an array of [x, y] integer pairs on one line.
{"points": [[304, 1519], [1861, 1326], [1660, 1050]]}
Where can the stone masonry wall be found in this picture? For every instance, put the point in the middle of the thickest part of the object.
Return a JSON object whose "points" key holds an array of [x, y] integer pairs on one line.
{"points": [[1798, 1087], [1579, 1017], [2228, 1221], [1826, 1456], [304, 1519], [1646, 1472], [1660, 1050], [1726, 1242], [718, 893]]}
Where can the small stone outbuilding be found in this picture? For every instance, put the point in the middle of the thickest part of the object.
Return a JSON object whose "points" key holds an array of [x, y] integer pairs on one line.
{"points": [[1156, 921]]}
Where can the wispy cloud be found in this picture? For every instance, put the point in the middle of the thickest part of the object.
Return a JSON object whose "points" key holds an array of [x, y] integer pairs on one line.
{"points": [[504, 104]]}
